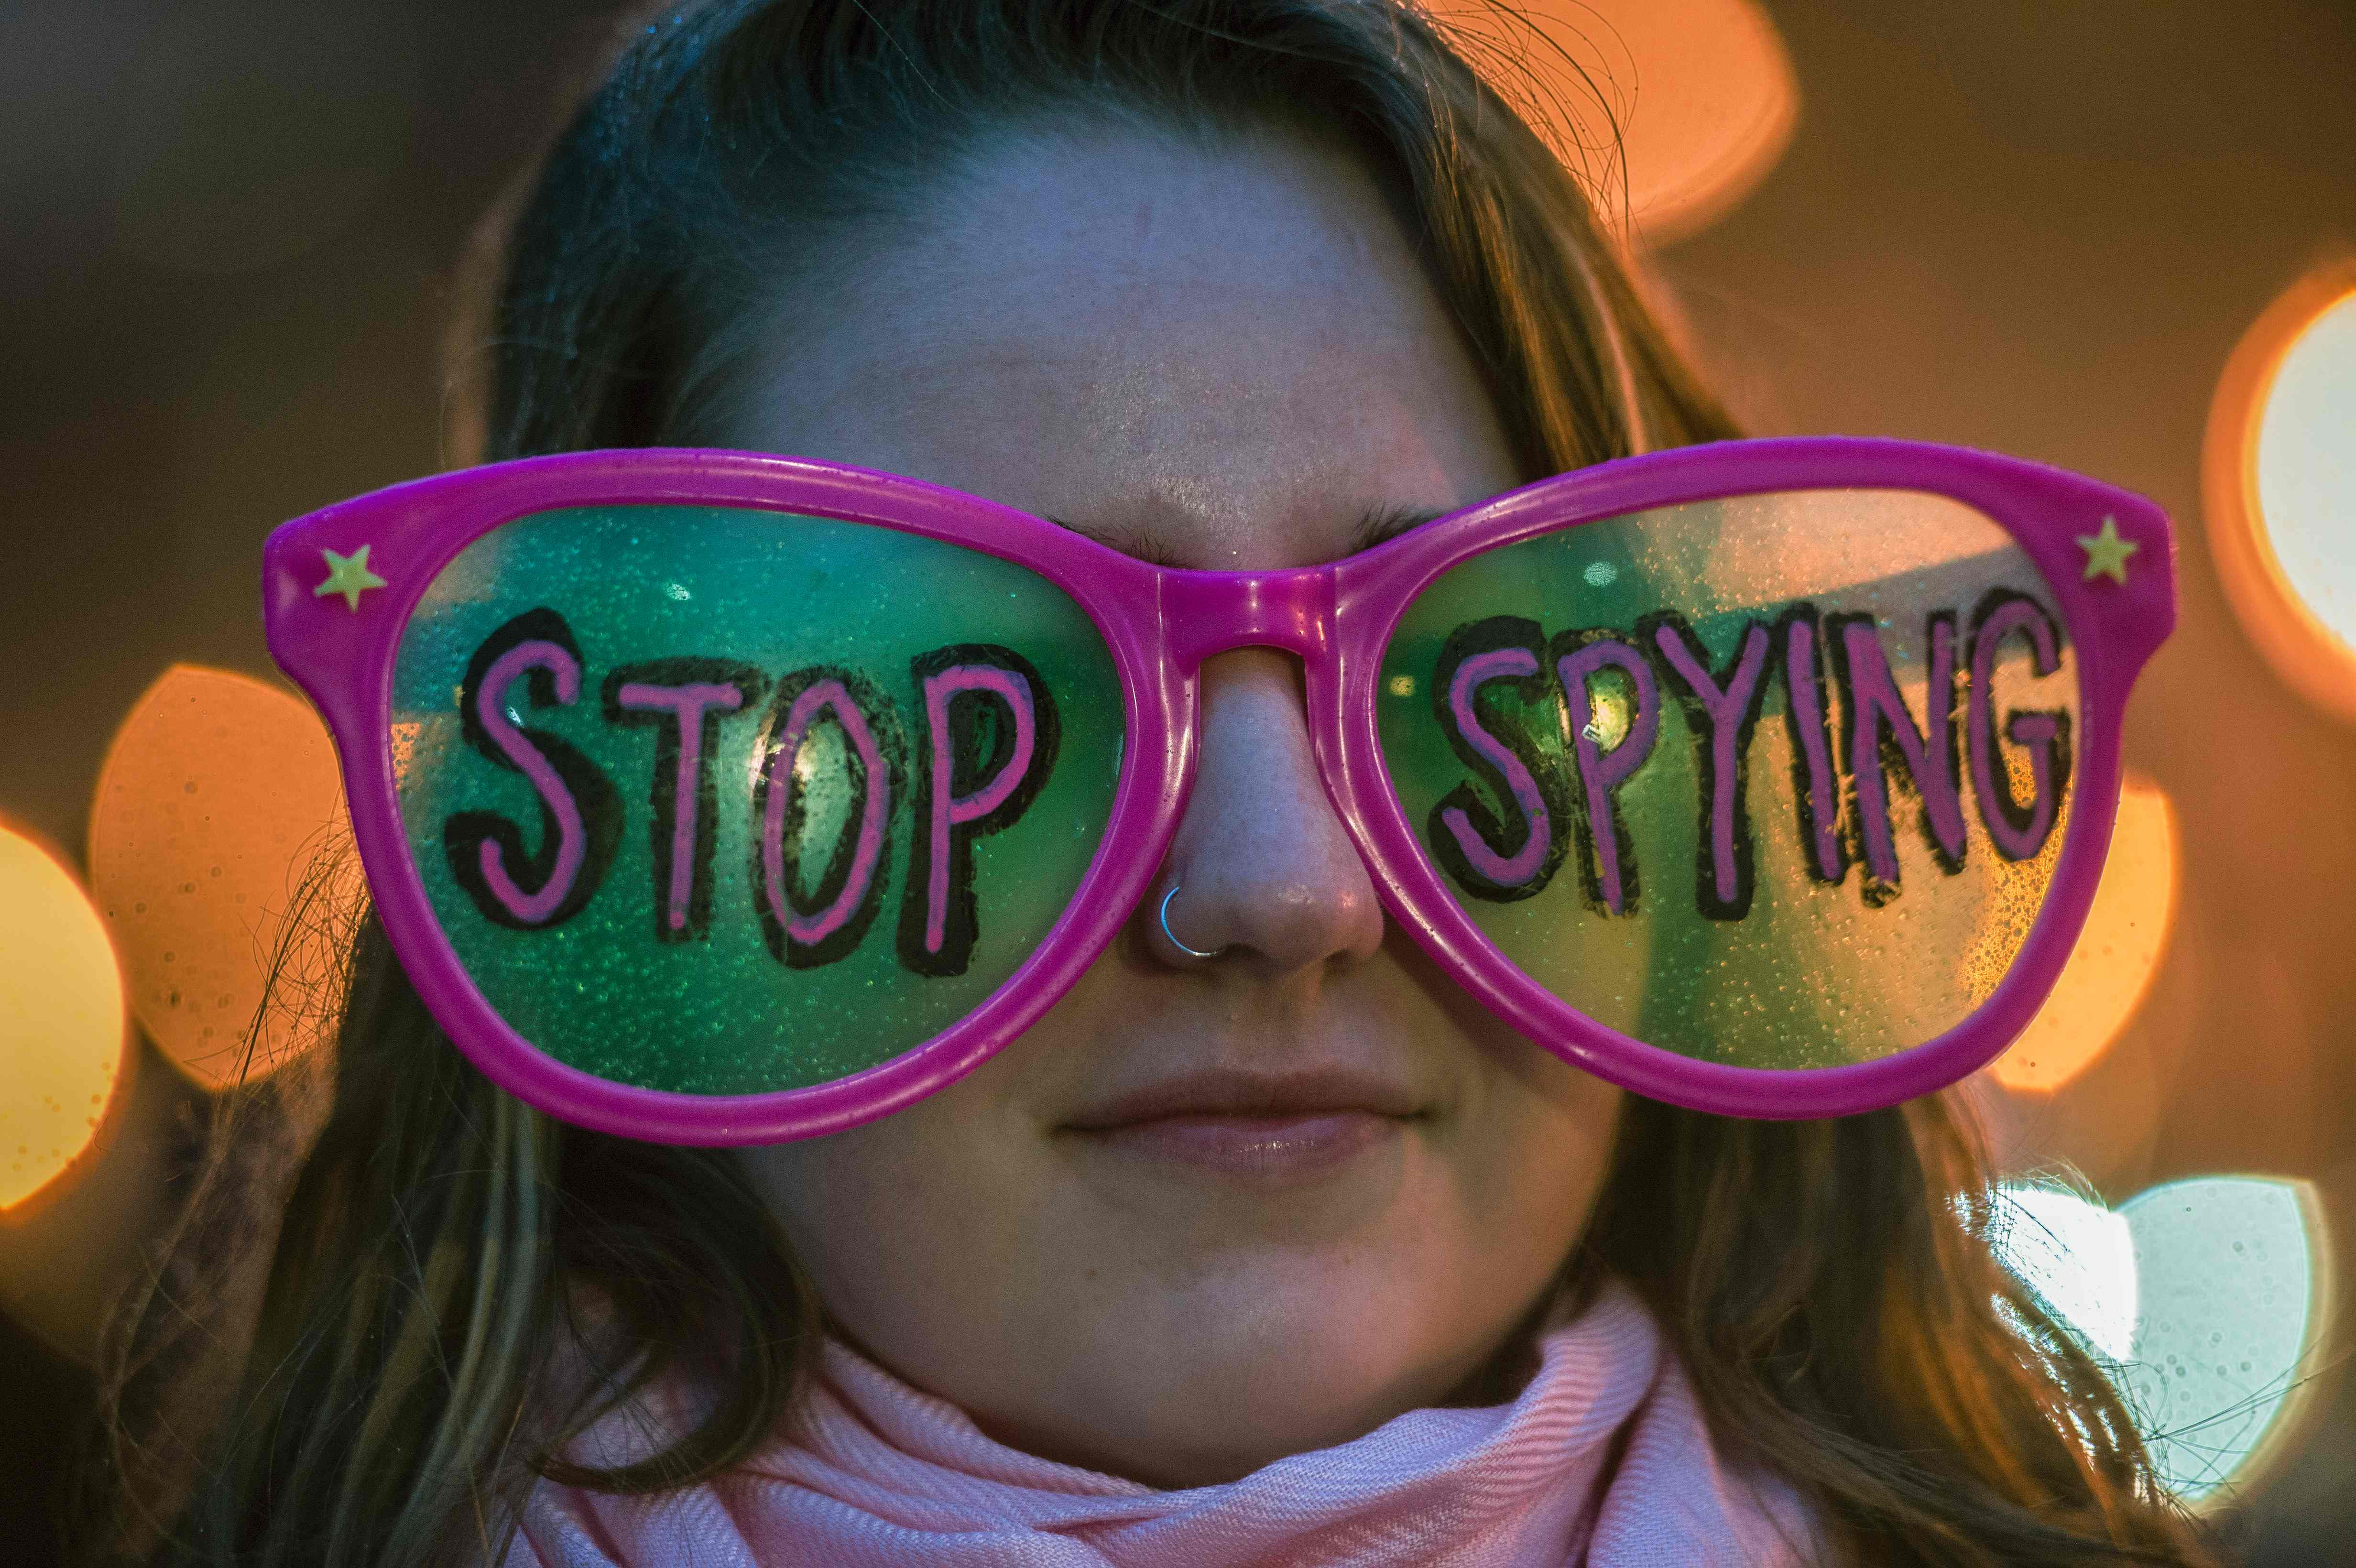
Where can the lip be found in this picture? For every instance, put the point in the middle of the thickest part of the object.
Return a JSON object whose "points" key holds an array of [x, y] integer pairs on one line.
{"points": [[1257, 1126], [1232, 1094], [1259, 1147]]}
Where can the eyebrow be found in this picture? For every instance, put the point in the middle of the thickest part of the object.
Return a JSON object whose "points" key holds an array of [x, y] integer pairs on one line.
{"points": [[1375, 525]]}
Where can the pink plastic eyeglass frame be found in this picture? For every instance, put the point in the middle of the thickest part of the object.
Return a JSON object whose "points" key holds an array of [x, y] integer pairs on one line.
{"points": [[334, 626]]}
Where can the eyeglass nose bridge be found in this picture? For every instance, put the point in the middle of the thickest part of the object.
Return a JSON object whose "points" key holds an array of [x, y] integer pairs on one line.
{"points": [[1208, 613]]}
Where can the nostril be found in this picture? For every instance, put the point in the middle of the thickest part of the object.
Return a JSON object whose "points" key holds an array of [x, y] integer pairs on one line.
{"points": [[1285, 923], [1177, 943]]}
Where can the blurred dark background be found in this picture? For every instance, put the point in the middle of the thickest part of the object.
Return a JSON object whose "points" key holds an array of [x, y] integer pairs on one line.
{"points": [[234, 232]]}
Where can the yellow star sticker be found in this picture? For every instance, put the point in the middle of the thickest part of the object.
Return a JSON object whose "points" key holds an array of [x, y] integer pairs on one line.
{"points": [[2106, 553], [349, 576]]}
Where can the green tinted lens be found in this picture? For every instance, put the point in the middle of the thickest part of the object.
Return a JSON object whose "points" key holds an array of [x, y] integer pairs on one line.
{"points": [[723, 801], [1777, 782]]}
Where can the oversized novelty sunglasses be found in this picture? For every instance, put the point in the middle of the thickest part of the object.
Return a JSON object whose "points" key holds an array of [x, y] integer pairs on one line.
{"points": [[711, 797]]}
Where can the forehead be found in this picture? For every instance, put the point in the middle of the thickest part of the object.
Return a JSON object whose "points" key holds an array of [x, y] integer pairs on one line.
{"points": [[1222, 351]]}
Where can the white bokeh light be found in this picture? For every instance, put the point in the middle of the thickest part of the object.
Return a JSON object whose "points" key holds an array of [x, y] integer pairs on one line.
{"points": [[2204, 1298], [2306, 467], [2076, 1256], [2233, 1276]]}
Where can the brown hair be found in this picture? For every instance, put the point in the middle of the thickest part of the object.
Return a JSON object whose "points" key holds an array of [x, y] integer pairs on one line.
{"points": [[1826, 1282]]}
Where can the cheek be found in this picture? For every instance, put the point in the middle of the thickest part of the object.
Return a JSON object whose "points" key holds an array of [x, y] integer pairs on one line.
{"points": [[1529, 1141], [895, 1218], [1530, 1149]]}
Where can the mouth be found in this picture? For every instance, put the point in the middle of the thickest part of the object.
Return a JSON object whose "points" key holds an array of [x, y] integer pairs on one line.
{"points": [[1260, 1128]]}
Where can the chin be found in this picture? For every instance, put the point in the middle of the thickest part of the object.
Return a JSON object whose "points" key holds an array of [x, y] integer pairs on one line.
{"points": [[1258, 1383]]}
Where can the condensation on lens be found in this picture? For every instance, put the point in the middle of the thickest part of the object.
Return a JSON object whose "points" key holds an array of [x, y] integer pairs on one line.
{"points": [[1778, 781], [725, 801]]}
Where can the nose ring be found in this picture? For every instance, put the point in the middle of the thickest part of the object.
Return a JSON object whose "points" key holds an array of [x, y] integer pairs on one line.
{"points": [[1189, 952]]}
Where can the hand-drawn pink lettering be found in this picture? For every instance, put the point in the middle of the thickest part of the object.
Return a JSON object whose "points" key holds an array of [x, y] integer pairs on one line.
{"points": [[2017, 829], [1884, 738], [1816, 780], [1509, 851], [1721, 708], [580, 821], [805, 932], [1607, 851], [991, 738], [682, 700]]}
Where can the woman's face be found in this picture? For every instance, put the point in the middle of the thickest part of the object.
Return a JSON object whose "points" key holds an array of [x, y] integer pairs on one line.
{"points": [[1221, 356]]}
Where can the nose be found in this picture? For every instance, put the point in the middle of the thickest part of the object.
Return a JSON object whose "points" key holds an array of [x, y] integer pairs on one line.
{"points": [[1265, 875]]}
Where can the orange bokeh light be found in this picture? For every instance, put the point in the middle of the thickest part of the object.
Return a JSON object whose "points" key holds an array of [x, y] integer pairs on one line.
{"points": [[2290, 632], [2117, 954], [218, 851], [1699, 94], [62, 1040]]}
